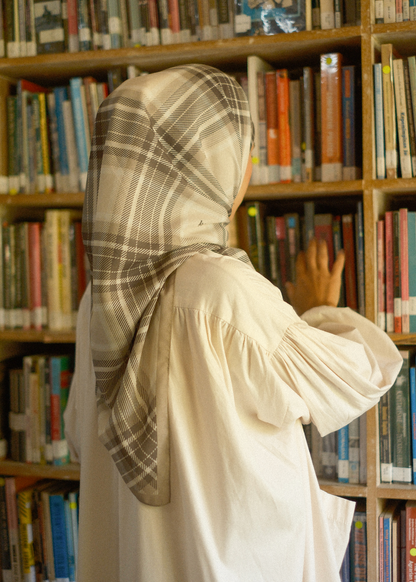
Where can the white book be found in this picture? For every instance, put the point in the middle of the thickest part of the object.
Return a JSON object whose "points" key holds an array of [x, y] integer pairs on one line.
{"points": [[254, 65], [389, 11], [379, 122], [401, 117], [327, 14]]}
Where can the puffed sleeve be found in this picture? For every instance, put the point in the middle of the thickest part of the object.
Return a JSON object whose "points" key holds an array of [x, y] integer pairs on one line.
{"points": [[338, 362]]}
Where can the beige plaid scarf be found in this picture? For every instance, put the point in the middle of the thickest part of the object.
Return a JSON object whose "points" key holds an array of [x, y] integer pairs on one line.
{"points": [[168, 156]]}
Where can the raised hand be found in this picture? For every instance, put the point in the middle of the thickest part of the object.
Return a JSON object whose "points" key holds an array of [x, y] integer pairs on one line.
{"points": [[315, 284]]}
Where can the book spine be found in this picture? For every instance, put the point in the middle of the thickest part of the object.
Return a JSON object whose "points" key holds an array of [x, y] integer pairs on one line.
{"points": [[6, 564], [59, 444], [381, 277], [73, 506], [343, 452], [359, 535], [329, 456], [73, 38], [61, 96], [412, 383], [410, 117], [399, 10], [257, 239], [389, 110], [135, 22], [84, 26], [12, 145], [35, 274], [397, 295], [350, 166], [354, 450], [411, 233], [70, 540], [359, 232], [50, 35], [379, 11], [52, 269], [389, 272], [285, 158], [13, 525], [71, 148], [57, 512], [404, 269], [295, 130], [327, 13], [402, 121], [410, 560], [272, 127], [400, 418], [79, 122], [350, 264], [262, 119], [331, 105], [24, 503], [379, 122], [115, 24], [412, 10], [308, 124], [44, 140]]}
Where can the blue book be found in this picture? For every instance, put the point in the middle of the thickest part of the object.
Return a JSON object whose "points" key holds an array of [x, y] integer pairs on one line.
{"points": [[115, 26], [379, 122], [61, 95], [343, 455], [358, 547], [59, 537], [70, 540], [345, 572], [412, 9], [387, 524], [411, 232], [350, 168], [412, 381], [80, 123]]}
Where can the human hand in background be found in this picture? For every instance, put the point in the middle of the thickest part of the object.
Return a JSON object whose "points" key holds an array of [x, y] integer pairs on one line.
{"points": [[315, 284]]}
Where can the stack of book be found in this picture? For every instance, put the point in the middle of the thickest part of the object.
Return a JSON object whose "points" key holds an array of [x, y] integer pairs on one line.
{"points": [[397, 541], [396, 271], [395, 114], [38, 27], [39, 391], [354, 566], [306, 121], [38, 530], [397, 426], [43, 272], [389, 11]]}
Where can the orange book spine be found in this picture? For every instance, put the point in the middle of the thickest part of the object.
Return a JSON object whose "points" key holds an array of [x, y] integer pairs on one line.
{"points": [[272, 127], [285, 157], [331, 112]]}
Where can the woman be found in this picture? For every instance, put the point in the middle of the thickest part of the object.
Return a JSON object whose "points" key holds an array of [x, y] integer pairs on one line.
{"points": [[193, 377]]}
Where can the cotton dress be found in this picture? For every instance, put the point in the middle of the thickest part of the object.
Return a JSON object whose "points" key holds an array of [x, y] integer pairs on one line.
{"points": [[243, 373]]}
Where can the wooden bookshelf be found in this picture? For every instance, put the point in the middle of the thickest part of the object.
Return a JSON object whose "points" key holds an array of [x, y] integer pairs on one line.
{"points": [[360, 44]]}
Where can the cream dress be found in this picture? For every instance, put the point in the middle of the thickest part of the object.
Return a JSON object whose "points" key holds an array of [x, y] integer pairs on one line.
{"points": [[244, 372]]}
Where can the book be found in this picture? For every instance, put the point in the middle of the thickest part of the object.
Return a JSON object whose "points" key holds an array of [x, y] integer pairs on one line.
{"points": [[331, 104], [59, 371], [358, 547], [272, 124], [410, 116], [256, 236], [24, 504], [284, 134], [404, 269], [308, 125], [5, 556], [400, 423], [292, 230], [350, 262], [50, 37], [262, 135], [389, 271], [397, 292], [351, 170], [343, 455], [253, 20], [354, 451], [295, 129], [359, 245], [80, 122], [411, 233], [379, 122], [410, 559], [13, 526], [327, 13], [389, 110], [412, 388], [59, 536], [381, 277], [402, 120]]}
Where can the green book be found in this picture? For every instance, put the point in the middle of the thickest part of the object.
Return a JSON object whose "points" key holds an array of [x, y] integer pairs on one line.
{"points": [[400, 423]]}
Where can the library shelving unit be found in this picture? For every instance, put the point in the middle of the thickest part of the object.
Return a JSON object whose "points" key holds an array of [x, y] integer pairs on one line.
{"points": [[360, 45]]}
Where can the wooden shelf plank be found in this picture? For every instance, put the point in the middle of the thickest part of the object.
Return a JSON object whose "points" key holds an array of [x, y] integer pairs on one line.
{"points": [[43, 200], [403, 339], [31, 335], [343, 489], [229, 54], [395, 491], [68, 472], [303, 189]]}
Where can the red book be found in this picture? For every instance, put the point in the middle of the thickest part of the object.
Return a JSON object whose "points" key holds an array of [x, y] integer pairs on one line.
{"points": [[285, 156], [174, 20], [323, 230], [350, 266], [331, 116], [410, 541], [381, 277], [73, 39], [35, 274], [404, 270], [389, 271], [272, 127], [397, 293], [25, 85]]}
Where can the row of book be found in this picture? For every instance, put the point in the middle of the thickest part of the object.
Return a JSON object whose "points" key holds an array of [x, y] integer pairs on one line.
{"points": [[341, 455], [38, 530], [37, 26], [389, 11], [43, 272], [273, 243], [354, 565], [396, 271], [397, 426], [395, 114], [397, 542], [38, 395], [49, 133], [306, 121]]}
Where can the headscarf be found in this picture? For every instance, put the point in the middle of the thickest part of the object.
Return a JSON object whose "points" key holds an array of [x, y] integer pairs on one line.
{"points": [[168, 156]]}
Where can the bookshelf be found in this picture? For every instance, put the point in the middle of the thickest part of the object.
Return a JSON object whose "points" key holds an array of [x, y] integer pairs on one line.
{"points": [[362, 45]]}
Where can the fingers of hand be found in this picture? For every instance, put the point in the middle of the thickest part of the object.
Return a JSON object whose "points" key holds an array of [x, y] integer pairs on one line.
{"points": [[322, 255], [338, 264]]}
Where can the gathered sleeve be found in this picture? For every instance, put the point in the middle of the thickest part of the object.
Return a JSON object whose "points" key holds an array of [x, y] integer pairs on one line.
{"points": [[338, 362]]}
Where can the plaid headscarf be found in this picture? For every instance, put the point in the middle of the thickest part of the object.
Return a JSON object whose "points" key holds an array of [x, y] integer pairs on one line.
{"points": [[168, 156]]}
